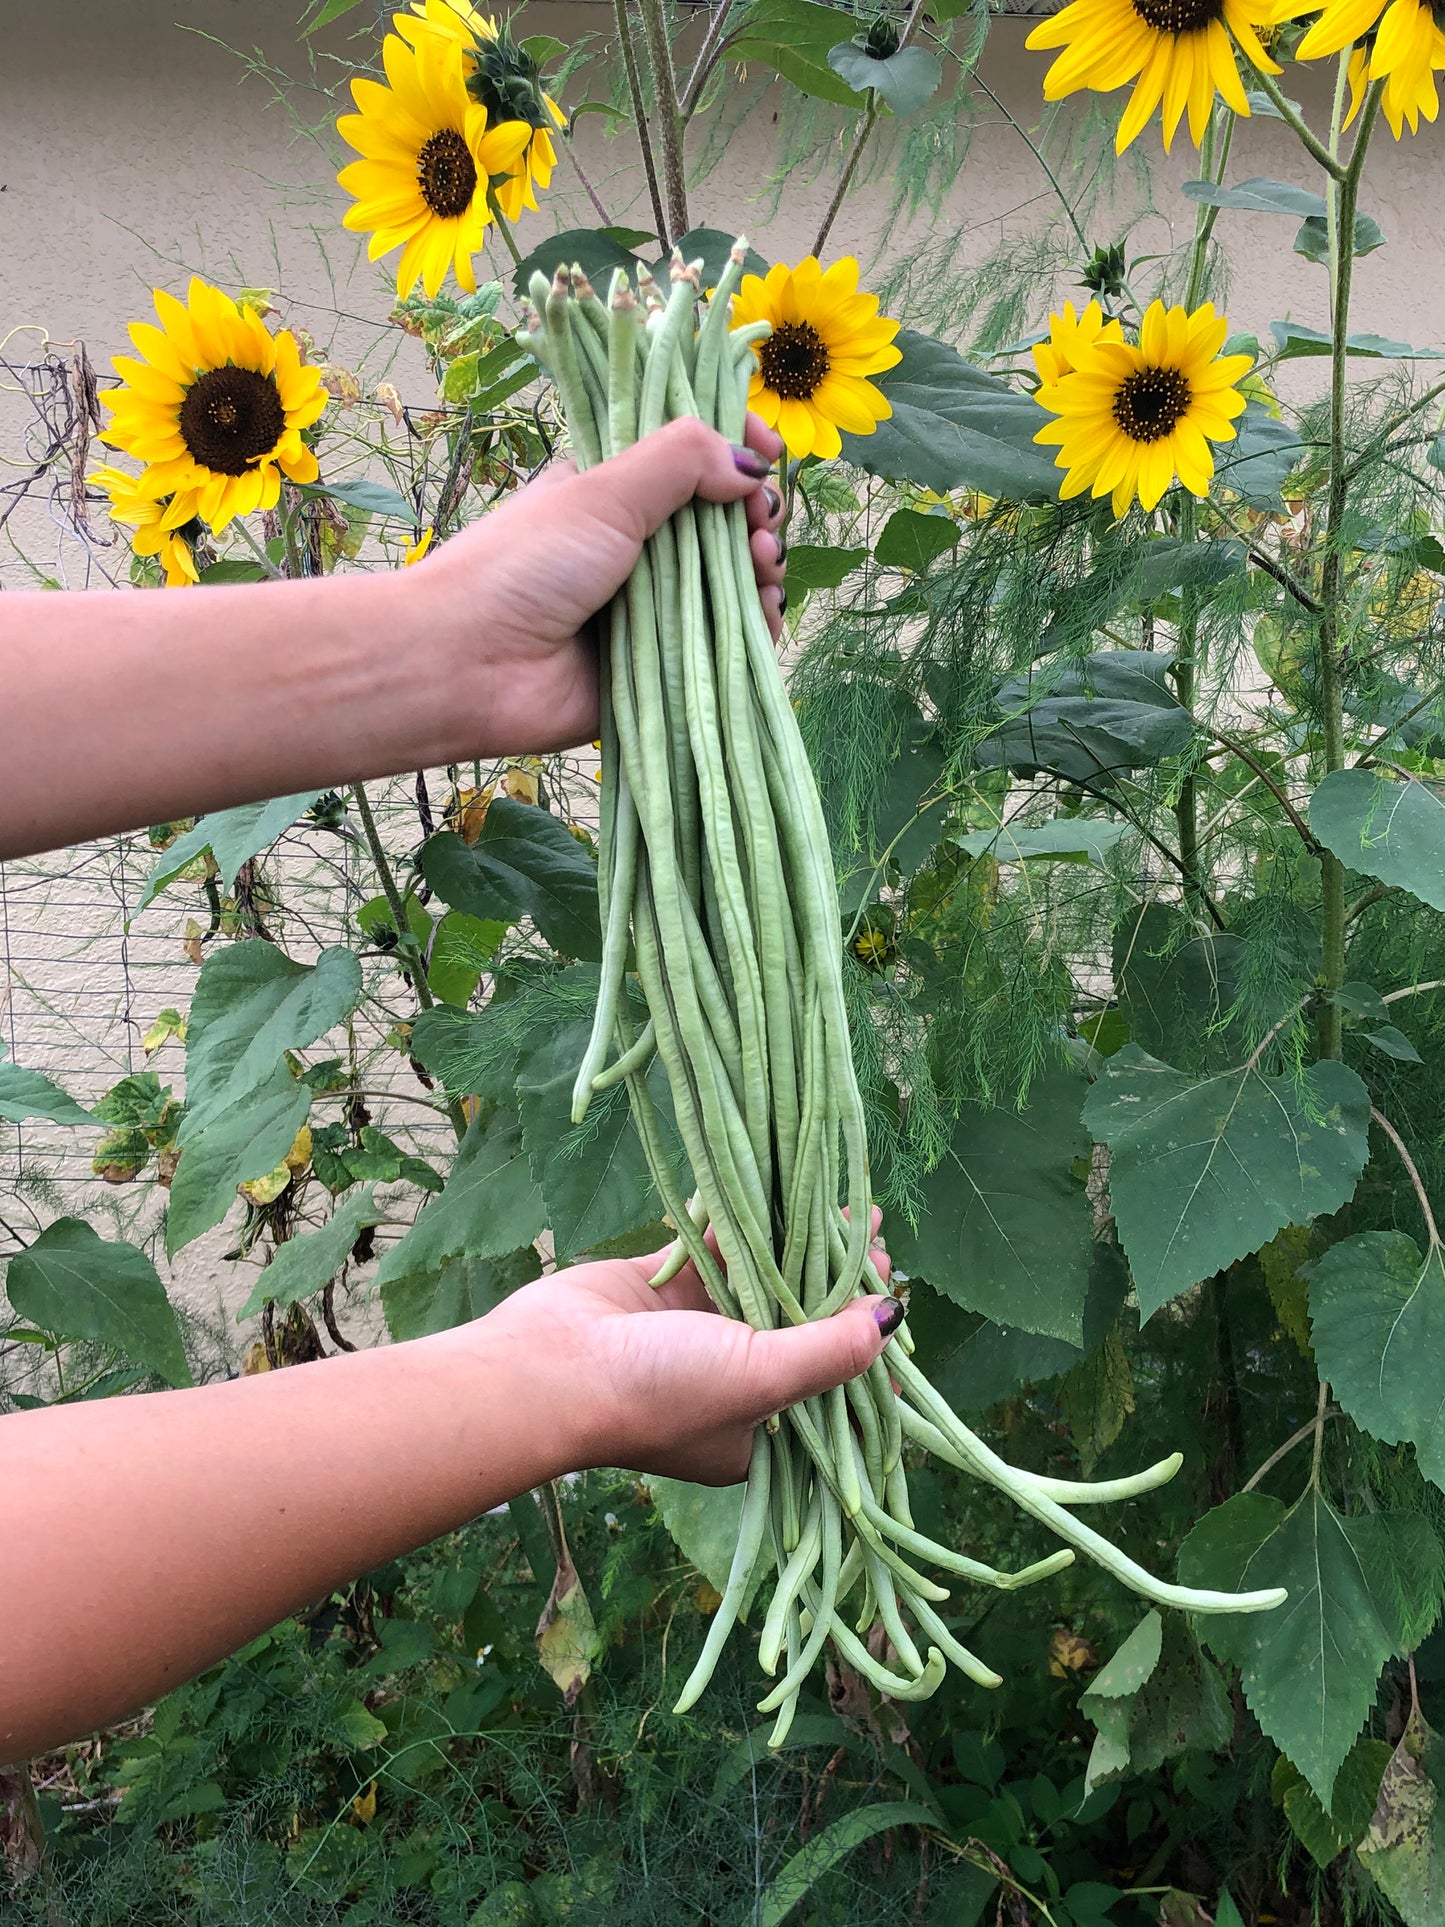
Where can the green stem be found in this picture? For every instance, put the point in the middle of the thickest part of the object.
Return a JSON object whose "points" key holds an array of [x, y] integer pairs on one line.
{"points": [[504, 226], [260, 554], [406, 943], [863, 136], [1311, 142], [669, 115], [1341, 200], [1186, 806], [639, 114], [1213, 167]]}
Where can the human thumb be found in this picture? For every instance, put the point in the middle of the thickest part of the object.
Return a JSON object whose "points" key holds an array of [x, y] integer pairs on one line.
{"points": [[795, 1362]]}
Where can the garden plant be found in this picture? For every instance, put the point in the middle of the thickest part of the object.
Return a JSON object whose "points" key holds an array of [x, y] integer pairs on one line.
{"points": [[1068, 884]]}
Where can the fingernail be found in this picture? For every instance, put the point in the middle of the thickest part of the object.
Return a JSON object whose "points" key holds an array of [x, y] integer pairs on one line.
{"points": [[774, 501], [782, 548], [747, 461], [782, 601], [888, 1315]]}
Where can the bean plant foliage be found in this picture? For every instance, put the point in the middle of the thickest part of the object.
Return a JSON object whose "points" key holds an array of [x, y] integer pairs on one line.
{"points": [[1132, 751]]}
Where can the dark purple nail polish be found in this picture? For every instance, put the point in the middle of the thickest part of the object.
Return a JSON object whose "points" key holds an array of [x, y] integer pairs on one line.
{"points": [[888, 1315], [774, 502], [782, 548], [782, 601], [747, 461]]}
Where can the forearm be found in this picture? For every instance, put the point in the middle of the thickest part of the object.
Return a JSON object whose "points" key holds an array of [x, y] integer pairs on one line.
{"points": [[126, 708], [147, 1536]]}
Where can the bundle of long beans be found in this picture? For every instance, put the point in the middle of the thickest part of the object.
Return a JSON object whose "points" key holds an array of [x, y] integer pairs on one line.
{"points": [[717, 886]]}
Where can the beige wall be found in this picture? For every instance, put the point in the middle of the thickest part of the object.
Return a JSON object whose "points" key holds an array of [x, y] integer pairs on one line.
{"points": [[134, 148]]}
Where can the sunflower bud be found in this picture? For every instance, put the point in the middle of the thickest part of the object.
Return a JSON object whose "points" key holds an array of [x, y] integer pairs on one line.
{"points": [[507, 81], [882, 39], [1104, 272]]}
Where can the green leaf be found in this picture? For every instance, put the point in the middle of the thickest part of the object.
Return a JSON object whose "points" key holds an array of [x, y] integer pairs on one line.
{"points": [[905, 79], [1260, 459], [305, 1264], [252, 1003], [1123, 1675], [823, 1852], [1088, 717], [1006, 1226], [233, 569], [375, 498], [332, 10], [1377, 1312], [469, 1051], [1097, 1397], [1325, 1832], [1360, 1592], [1257, 195], [953, 426], [74, 1283], [712, 246], [1175, 996], [355, 1726], [972, 1361], [242, 1143], [596, 251], [813, 566], [26, 1094], [525, 860], [1384, 828], [1226, 1914], [911, 540], [461, 950], [751, 1751], [233, 837], [1313, 238], [1079, 839], [418, 1303], [703, 1521], [1293, 340], [794, 38], [1394, 1043], [593, 1176], [1203, 1172], [490, 1206]]}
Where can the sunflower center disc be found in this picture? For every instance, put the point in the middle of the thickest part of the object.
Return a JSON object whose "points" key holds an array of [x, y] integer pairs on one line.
{"points": [[1150, 403], [794, 360], [229, 417], [1178, 16], [446, 174]]}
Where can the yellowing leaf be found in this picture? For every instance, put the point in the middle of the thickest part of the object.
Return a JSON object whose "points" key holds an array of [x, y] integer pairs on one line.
{"points": [[521, 780], [299, 1156], [266, 1190], [1069, 1653], [567, 1641], [168, 1024], [363, 1805]]}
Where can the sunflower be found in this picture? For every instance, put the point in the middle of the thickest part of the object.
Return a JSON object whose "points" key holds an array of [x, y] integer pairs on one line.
{"points": [[215, 409], [1071, 337], [1132, 419], [1401, 42], [811, 377], [144, 515], [505, 79], [1178, 53], [428, 154]]}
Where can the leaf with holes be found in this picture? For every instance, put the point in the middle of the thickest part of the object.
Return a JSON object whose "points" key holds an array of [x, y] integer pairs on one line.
{"points": [[1205, 1170]]}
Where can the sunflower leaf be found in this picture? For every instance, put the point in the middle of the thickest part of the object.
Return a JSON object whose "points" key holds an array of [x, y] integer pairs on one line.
{"points": [[795, 38], [1383, 828], [1258, 196], [905, 79]]}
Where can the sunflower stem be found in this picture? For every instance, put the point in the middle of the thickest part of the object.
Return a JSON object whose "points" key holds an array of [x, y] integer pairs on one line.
{"points": [[669, 115], [1292, 119], [1213, 167], [570, 144], [504, 226], [639, 115], [260, 554], [1341, 199], [406, 943], [863, 136]]}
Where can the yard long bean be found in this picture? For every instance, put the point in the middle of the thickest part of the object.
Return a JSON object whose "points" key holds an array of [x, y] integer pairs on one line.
{"points": [[717, 894]]}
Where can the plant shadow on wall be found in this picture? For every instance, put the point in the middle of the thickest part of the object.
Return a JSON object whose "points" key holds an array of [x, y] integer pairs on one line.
{"points": [[1121, 682]]}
